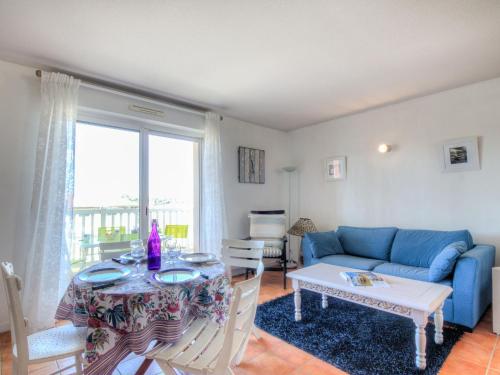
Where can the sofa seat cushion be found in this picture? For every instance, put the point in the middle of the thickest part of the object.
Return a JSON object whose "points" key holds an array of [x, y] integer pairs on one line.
{"points": [[367, 242], [344, 260], [418, 248], [323, 243], [400, 270]]}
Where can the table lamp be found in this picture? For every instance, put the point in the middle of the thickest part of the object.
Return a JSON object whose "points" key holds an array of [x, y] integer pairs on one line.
{"points": [[302, 226]]}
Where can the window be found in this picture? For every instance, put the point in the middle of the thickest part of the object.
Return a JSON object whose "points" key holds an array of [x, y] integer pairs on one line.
{"points": [[124, 178]]}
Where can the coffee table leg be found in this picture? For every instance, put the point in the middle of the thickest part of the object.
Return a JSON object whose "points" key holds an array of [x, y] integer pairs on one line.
{"points": [[298, 300], [324, 301], [438, 325], [420, 321]]}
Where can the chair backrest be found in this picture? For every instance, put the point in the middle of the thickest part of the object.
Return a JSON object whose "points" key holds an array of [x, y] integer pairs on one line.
{"points": [[241, 317], [18, 324], [176, 231], [110, 234], [267, 225], [110, 250], [242, 253]]}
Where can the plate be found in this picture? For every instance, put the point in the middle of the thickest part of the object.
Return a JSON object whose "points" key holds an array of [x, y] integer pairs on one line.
{"points": [[176, 275], [198, 257], [104, 275]]}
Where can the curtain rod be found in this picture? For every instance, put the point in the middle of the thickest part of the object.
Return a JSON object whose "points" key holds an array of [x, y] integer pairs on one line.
{"points": [[135, 93]]}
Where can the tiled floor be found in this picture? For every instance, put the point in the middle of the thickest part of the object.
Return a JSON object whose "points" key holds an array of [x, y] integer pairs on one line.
{"points": [[475, 353]]}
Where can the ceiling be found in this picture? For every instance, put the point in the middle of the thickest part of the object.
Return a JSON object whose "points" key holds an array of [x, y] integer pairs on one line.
{"points": [[281, 64]]}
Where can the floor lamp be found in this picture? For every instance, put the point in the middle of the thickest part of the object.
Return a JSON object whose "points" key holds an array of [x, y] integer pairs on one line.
{"points": [[289, 170]]}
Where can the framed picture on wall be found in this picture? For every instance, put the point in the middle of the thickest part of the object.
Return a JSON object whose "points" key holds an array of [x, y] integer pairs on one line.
{"points": [[251, 165], [461, 155], [335, 168]]}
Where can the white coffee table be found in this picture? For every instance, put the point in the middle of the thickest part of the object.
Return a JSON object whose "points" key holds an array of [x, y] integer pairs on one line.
{"points": [[408, 298]]}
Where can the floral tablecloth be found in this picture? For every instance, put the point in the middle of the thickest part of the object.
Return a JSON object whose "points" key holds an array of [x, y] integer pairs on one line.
{"points": [[128, 316]]}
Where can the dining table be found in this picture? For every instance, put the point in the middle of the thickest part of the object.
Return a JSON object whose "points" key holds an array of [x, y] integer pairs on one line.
{"points": [[128, 315]]}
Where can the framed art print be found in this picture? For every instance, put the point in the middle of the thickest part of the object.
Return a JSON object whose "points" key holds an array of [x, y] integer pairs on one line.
{"points": [[461, 155], [251, 163], [335, 168]]}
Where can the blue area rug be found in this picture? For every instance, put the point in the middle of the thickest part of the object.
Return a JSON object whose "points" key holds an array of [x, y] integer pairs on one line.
{"points": [[354, 338]]}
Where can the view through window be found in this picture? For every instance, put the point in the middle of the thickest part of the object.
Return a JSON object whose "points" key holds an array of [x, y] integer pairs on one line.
{"points": [[109, 190]]}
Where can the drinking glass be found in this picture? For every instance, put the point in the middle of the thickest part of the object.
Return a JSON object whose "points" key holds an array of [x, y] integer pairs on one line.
{"points": [[137, 252], [172, 252]]}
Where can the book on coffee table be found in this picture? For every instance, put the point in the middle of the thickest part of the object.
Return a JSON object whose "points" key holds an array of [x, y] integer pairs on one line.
{"points": [[364, 279]]}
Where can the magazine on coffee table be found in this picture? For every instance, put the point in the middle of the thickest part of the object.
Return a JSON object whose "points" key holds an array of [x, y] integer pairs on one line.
{"points": [[364, 279]]}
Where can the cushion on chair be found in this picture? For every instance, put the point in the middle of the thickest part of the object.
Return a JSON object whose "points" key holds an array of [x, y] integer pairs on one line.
{"points": [[272, 246], [272, 252], [444, 262], [367, 242], [409, 272], [351, 261], [418, 248], [55, 342], [323, 243]]}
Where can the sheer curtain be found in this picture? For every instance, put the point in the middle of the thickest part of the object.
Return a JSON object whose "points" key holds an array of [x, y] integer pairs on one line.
{"points": [[213, 226], [48, 269]]}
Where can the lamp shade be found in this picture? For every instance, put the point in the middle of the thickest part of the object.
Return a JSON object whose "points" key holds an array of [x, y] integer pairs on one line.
{"points": [[302, 226]]}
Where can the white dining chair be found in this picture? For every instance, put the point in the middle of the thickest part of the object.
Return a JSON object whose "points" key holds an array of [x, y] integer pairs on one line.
{"points": [[207, 348], [245, 254], [44, 346]]}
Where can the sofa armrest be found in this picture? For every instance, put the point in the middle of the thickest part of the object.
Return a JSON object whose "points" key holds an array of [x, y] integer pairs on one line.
{"points": [[306, 251], [472, 285]]}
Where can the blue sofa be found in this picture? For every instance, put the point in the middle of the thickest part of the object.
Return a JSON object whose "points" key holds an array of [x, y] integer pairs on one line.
{"points": [[409, 253]]}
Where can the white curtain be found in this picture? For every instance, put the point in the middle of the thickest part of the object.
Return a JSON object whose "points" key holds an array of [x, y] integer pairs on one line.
{"points": [[213, 226], [48, 270]]}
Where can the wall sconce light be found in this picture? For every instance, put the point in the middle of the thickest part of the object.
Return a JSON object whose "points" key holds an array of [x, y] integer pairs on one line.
{"points": [[383, 148]]}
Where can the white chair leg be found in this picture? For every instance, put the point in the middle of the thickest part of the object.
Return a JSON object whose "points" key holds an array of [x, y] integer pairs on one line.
{"points": [[78, 364], [256, 333]]}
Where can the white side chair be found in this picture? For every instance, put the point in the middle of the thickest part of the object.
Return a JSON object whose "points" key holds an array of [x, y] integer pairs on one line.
{"points": [[243, 254], [44, 346], [207, 348]]}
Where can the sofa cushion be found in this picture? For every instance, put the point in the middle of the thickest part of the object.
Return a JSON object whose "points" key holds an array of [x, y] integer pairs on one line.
{"points": [[323, 243], [350, 261], [444, 262], [367, 242], [409, 272], [418, 248]]}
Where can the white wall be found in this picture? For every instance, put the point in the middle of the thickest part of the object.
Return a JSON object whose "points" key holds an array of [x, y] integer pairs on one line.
{"points": [[406, 187], [241, 198], [19, 111]]}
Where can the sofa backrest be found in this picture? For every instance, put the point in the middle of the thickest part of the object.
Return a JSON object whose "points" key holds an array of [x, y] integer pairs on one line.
{"points": [[372, 243], [418, 248]]}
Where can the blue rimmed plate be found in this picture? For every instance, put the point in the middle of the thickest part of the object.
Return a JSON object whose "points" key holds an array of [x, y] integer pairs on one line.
{"points": [[198, 257], [176, 275], [104, 275]]}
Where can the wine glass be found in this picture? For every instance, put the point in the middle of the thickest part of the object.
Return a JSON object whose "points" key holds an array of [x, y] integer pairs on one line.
{"points": [[171, 249], [137, 252]]}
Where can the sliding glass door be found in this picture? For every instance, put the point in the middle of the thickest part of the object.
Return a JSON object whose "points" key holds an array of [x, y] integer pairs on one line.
{"points": [[126, 177], [173, 187]]}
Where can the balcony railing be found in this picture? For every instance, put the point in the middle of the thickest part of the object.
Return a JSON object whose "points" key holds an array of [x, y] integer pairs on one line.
{"points": [[91, 223]]}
